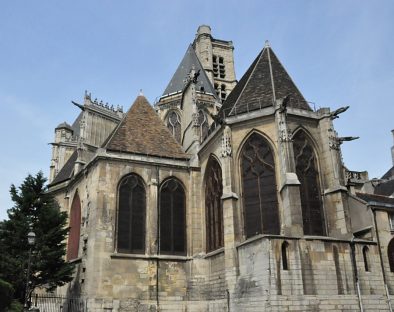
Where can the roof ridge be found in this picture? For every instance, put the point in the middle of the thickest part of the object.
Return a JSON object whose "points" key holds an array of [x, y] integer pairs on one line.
{"points": [[294, 85], [143, 132], [250, 76], [271, 74]]}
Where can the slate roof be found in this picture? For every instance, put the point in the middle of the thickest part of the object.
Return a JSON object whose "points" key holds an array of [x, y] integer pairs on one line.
{"points": [[177, 81], [142, 132], [385, 188], [376, 198], [76, 125], [66, 171], [64, 125], [265, 80], [389, 173]]}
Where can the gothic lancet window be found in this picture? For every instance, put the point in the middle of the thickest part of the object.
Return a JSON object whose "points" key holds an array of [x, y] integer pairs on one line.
{"points": [[260, 201], [203, 123], [131, 215], [306, 169], [75, 228], [213, 205], [390, 254], [172, 218], [174, 125]]}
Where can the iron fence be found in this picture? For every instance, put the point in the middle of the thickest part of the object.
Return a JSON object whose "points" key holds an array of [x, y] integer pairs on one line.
{"points": [[52, 303]]}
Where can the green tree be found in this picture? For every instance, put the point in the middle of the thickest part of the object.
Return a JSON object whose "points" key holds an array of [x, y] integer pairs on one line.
{"points": [[34, 210]]}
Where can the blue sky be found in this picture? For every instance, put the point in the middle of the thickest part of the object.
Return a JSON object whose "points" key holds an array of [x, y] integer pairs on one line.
{"points": [[337, 52]]}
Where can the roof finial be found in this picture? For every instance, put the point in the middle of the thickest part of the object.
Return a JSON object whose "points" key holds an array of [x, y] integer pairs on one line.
{"points": [[267, 44], [141, 94]]}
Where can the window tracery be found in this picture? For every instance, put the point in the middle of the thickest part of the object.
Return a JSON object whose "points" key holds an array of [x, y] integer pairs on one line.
{"points": [[131, 215], [172, 218], [213, 205], [260, 202], [174, 125], [307, 173]]}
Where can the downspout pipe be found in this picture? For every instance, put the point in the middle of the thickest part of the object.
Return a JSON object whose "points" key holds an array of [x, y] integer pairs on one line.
{"points": [[381, 260], [353, 256]]}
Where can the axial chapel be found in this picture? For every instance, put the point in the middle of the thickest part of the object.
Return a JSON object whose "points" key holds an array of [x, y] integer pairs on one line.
{"points": [[225, 195]]}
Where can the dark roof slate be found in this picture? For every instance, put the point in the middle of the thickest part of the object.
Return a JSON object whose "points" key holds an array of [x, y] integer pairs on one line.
{"points": [[177, 81], [76, 125], [385, 188], [376, 198], [64, 125], [389, 173], [142, 132], [264, 81], [66, 171]]}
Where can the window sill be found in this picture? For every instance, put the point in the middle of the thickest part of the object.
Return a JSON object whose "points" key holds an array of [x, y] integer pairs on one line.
{"points": [[150, 257], [214, 253]]}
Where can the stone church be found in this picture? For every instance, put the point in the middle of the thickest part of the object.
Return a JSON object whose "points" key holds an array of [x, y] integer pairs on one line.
{"points": [[225, 195]]}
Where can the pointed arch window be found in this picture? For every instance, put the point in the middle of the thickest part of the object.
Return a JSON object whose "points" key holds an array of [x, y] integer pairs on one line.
{"points": [[203, 123], [213, 205], [174, 125], [131, 215], [259, 187], [390, 254], [306, 169], [75, 228], [172, 218]]}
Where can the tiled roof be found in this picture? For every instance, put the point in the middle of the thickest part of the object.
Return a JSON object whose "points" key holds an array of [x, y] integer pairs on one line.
{"points": [[265, 80], [189, 60], [142, 132], [376, 198], [65, 172], [385, 188]]}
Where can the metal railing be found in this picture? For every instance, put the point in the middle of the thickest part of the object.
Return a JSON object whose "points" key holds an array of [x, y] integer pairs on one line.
{"points": [[52, 303]]}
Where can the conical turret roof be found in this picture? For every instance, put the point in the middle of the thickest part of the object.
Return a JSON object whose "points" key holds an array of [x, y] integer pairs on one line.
{"points": [[265, 81], [142, 132], [177, 82]]}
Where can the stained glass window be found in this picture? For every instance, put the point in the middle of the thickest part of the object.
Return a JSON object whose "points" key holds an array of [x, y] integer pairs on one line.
{"points": [[306, 169], [131, 215], [213, 205], [259, 187], [172, 218]]}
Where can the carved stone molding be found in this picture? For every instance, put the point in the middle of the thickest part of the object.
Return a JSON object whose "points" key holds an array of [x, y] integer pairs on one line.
{"points": [[226, 142]]}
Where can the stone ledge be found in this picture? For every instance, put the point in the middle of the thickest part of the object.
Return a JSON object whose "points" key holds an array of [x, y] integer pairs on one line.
{"points": [[150, 257]]}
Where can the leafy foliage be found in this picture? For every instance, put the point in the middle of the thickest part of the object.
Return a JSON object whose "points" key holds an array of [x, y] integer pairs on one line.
{"points": [[37, 211]]}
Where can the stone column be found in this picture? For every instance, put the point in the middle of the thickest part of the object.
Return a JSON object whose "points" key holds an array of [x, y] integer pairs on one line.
{"points": [[229, 200], [152, 215], [333, 181]]}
